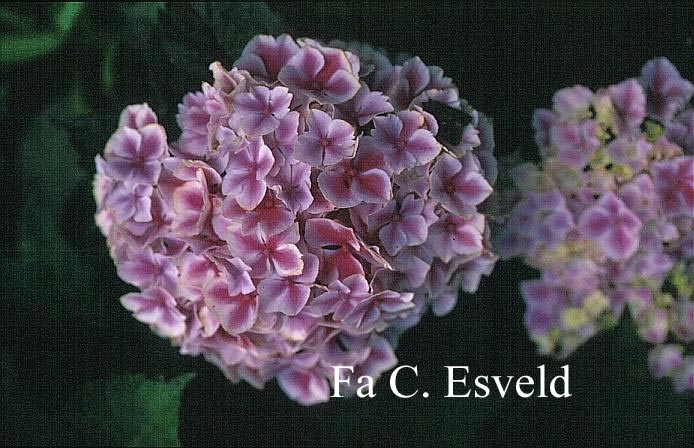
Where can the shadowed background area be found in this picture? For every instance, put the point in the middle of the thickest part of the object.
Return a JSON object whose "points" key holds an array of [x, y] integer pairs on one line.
{"points": [[63, 82]]}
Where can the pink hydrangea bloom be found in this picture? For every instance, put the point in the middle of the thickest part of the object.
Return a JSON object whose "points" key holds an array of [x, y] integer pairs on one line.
{"points": [[156, 307], [357, 180], [613, 226], [264, 56], [246, 172], [607, 218], [459, 185], [400, 225], [667, 91], [324, 73], [261, 109], [195, 113], [404, 140], [674, 182], [302, 220], [326, 142], [135, 155]]}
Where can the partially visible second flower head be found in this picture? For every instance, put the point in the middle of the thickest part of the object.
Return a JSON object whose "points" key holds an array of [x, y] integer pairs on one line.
{"points": [[608, 218], [311, 211]]}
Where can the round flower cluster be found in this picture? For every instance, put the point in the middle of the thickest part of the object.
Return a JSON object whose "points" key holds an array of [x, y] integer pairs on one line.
{"points": [[608, 218], [307, 215]]}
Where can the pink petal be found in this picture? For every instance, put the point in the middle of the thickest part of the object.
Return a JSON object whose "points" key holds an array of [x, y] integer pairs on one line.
{"points": [[335, 186], [153, 143], [308, 150], [156, 307], [125, 143], [282, 296], [372, 186], [304, 386], [393, 238], [287, 260], [594, 222], [322, 232], [423, 146], [236, 313], [342, 86], [621, 244]]}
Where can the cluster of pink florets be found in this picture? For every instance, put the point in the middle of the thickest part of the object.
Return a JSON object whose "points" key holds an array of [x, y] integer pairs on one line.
{"points": [[305, 217], [608, 218]]}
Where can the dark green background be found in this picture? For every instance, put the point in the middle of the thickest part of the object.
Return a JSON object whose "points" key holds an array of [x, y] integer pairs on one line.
{"points": [[64, 334]]}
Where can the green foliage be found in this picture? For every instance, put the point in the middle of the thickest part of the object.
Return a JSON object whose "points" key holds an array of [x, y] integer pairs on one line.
{"points": [[127, 410], [67, 15], [22, 48], [30, 44]]}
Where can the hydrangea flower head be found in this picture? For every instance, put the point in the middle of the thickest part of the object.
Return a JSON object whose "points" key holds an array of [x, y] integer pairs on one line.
{"points": [[608, 218], [306, 209]]}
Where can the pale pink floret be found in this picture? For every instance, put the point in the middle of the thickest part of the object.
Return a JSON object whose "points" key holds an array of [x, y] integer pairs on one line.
{"points": [[261, 109], [341, 297], [191, 206], [246, 173], [459, 185], [288, 295], [453, 236], [365, 105], [400, 225], [156, 307], [304, 382], [137, 116], [264, 56], [323, 73], [353, 181], [294, 181], [129, 200], [145, 268], [666, 90], [405, 140], [572, 102], [236, 313], [135, 155], [195, 113], [326, 142], [266, 254], [613, 226], [374, 312], [629, 99], [575, 143], [270, 216], [674, 182]]}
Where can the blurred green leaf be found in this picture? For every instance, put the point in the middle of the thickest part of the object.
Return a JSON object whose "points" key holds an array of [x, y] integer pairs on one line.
{"points": [[146, 11], [127, 410], [23, 48], [29, 44], [67, 16]]}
